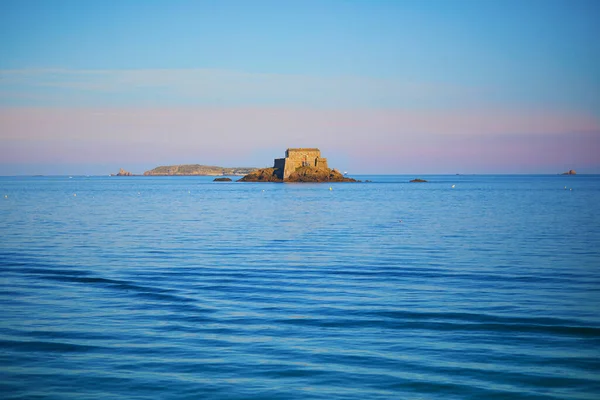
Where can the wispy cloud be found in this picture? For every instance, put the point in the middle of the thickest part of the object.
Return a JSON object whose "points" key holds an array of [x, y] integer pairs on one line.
{"points": [[216, 87], [223, 87], [229, 117]]}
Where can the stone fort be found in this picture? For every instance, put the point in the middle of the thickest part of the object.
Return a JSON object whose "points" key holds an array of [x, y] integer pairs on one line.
{"points": [[301, 157]]}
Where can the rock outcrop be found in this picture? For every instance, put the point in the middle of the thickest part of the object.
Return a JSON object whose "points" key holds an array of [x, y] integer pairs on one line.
{"points": [[570, 172], [301, 174], [262, 175], [122, 172], [418, 180], [311, 174], [222, 180]]}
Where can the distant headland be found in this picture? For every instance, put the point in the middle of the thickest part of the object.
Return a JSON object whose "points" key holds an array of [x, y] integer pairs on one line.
{"points": [[299, 165], [191, 170], [196, 169]]}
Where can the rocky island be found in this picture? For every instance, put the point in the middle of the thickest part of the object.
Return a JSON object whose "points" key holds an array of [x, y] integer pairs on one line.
{"points": [[570, 172], [196, 169], [122, 172], [299, 165]]}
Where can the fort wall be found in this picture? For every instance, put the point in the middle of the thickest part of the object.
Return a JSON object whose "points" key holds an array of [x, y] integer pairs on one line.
{"points": [[300, 157], [279, 163]]}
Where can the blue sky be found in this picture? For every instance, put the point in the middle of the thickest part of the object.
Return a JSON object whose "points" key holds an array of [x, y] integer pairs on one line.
{"points": [[380, 86]]}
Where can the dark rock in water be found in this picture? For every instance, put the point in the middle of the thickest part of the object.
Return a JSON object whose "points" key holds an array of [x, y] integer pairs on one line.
{"points": [[301, 174], [312, 174], [418, 180], [222, 180], [262, 175], [570, 172]]}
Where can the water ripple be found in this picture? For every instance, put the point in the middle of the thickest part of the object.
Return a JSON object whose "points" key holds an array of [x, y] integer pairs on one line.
{"points": [[194, 290]]}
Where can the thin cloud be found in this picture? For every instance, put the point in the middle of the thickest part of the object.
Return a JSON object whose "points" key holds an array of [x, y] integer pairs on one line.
{"points": [[211, 86]]}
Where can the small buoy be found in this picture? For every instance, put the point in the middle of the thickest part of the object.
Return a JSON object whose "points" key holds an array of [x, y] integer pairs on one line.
{"points": [[330, 188], [6, 196], [74, 194], [453, 186]]}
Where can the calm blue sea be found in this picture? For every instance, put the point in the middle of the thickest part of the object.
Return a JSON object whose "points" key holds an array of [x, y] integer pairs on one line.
{"points": [[182, 288]]}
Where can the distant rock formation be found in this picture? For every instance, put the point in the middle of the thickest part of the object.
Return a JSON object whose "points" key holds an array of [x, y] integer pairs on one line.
{"points": [[418, 180], [570, 172], [222, 180], [299, 165], [196, 169], [122, 172]]}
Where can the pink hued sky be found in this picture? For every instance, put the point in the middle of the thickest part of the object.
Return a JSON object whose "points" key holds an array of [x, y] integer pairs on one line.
{"points": [[411, 86], [364, 141]]}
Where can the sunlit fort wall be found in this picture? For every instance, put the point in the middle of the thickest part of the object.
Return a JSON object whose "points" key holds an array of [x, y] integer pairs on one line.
{"points": [[302, 157]]}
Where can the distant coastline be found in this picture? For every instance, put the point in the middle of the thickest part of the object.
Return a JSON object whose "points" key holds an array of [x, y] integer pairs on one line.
{"points": [[197, 169], [209, 170], [250, 173], [191, 170]]}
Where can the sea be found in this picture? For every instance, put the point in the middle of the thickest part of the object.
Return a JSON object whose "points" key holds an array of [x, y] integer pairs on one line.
{"points": [[463, 287]]}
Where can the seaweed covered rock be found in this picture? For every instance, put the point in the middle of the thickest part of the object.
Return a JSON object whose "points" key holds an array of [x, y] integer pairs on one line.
{"points": [[310, 174], [302, 174], [222, 180], [262, 175], [418, 180]]}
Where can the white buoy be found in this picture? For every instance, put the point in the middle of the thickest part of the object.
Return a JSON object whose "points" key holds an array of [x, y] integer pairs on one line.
{"points": [[330, 188], [6, 196], [453, 186]]}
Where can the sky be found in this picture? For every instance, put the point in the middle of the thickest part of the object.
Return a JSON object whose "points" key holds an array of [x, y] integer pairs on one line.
{"points": [[394, 87]]}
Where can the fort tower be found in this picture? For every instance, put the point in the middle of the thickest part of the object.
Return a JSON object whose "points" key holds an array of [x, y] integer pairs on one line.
{"points": [[300, 157]]}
